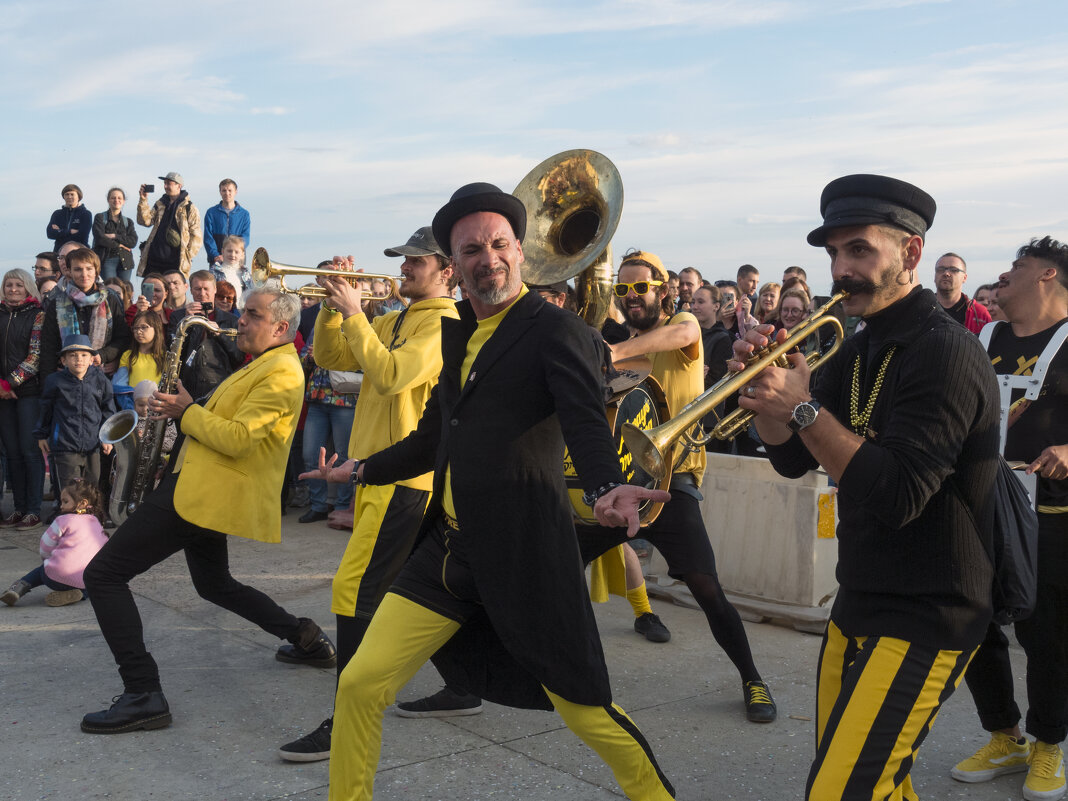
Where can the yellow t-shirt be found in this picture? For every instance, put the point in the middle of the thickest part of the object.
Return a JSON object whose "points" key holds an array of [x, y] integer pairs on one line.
{"points": [[485, 330], [144, 368], [683, 380]]}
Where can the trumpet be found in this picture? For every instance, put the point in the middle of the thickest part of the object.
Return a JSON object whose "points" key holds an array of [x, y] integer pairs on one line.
{"points": [[654, 448], [264, 270]]}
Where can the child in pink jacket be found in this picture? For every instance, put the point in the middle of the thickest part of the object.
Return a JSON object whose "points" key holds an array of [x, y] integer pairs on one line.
{"points": [[67, 547]]}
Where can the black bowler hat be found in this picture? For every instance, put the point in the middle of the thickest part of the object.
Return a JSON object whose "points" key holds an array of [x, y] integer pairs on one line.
{"points": [[873, 200], [478, 197]]}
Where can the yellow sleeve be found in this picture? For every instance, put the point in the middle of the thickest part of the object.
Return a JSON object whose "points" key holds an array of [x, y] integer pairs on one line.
{"points": [[329, 345], [256, 417]]}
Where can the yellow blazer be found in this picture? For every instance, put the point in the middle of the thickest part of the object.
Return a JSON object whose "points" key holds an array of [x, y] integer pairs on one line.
{"points": [[236, 448]]}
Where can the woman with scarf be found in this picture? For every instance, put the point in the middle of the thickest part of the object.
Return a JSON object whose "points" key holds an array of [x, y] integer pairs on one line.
{"points": [[21, 319], [84, 306]]}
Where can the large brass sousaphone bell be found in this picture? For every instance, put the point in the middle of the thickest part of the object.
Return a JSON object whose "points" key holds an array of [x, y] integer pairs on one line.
{"points": [[573, 201]]}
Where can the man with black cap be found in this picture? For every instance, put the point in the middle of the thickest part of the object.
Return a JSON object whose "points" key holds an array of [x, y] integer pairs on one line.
{"points": [[495, 590], [400, 356], [904, 418]]}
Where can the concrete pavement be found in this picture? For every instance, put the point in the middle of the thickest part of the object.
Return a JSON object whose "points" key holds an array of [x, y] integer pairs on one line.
{"points": [[233, 704]]}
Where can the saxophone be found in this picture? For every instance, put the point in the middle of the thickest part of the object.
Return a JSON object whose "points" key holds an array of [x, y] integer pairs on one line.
{"points": [[136, 464]]}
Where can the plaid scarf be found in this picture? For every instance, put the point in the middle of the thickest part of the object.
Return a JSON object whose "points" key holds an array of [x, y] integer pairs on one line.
{"points": [[70, 299]]}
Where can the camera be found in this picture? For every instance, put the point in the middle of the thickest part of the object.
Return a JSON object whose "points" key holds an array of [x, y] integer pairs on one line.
{"points": [[149, 188], [207, 307]]}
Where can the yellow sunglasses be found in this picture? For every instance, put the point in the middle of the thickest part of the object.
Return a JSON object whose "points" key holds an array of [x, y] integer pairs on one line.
{"points": [[639, 287]]}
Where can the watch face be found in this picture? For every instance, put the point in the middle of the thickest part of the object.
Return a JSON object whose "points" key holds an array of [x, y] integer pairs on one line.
{"points": [[805, 414]]}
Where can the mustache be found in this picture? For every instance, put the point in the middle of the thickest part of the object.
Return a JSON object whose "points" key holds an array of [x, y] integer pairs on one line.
{"points": [[854, 286]]}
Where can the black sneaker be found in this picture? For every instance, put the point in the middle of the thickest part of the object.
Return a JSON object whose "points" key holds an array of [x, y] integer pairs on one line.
{"points": [[442, 704], [651, 627], [312, 747], [319, 652], [759, 705]]}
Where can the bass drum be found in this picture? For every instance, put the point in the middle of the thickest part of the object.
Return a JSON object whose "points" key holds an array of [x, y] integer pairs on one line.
{"points": [[643, 406]]}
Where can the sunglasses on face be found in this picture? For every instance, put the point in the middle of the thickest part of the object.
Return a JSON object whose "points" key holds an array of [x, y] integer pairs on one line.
{"points": [[639, 287]]}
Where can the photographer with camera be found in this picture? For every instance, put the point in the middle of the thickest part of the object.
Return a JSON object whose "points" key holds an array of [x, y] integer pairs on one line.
{"points": [[176, 234], [153, 293]]}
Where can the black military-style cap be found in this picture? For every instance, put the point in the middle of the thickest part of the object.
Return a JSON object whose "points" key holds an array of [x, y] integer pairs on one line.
{"points": [[478, 197], [873, 200]]}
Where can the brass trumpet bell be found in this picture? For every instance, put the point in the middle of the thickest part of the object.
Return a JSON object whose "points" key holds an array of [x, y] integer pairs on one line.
{"points": [[264, 270]]}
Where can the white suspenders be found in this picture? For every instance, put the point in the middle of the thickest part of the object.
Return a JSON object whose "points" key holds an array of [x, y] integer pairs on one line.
{"points": [[1031, 384]]}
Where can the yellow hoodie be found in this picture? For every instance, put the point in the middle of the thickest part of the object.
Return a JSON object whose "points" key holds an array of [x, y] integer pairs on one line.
{"points": [[399, 370]]}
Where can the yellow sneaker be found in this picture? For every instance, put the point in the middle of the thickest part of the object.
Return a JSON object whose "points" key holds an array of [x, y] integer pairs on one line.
{"points": [[999, 756], [1045, 779]]}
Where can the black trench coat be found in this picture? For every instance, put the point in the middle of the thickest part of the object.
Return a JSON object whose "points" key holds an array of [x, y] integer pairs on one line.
{"points": [[534, 385]]}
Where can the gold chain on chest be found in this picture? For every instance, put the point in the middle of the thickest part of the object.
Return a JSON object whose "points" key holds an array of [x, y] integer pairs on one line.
{"points": [[857, 419]]}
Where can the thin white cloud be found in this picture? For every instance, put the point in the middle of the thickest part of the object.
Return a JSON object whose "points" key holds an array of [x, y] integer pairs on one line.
{"points": [[277, 111]]}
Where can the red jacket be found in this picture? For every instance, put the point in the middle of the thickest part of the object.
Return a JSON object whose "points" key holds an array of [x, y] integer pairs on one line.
{"points": [[975, 316]]}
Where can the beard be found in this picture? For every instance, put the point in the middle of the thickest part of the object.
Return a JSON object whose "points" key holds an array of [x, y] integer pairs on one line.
{"points": [[643, 317], [496, 295]]}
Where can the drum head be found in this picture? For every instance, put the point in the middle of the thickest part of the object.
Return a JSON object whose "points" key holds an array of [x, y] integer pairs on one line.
{"points": [[645, 407]]}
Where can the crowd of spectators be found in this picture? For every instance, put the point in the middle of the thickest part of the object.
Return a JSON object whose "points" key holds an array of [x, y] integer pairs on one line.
{"points": [[76, 290]]}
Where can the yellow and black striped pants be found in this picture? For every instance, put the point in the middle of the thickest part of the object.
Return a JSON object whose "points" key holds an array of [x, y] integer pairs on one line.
{"points": [[877, 698]]}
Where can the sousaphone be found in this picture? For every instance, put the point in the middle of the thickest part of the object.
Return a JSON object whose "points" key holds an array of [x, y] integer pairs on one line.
{"points": [[573, 201]]}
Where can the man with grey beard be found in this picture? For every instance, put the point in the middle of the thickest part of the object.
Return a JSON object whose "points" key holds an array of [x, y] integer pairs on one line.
{"points": [[494, 591]]}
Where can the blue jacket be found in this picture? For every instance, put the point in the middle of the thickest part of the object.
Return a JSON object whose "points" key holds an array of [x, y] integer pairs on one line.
{"points": [[220, 223], [79, 219], [72, 410]]}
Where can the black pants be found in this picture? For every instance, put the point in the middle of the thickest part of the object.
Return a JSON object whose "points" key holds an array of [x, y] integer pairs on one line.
{"points": [[1044, 637], [150, 535], [679, 534]]}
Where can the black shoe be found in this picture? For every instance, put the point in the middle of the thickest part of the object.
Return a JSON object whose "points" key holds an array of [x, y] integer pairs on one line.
{"points": [[443, 704], [130, 712], [311, 516], [759, 705], [312, 747], [650, 627], [318, 651]]}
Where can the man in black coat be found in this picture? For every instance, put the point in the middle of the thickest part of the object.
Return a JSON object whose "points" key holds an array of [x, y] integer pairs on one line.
{"points": [[207, 358], [494, 590], [904, 418]]}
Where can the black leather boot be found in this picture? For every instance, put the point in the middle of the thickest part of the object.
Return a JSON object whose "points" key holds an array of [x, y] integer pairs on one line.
{"points": [[130, 712]]}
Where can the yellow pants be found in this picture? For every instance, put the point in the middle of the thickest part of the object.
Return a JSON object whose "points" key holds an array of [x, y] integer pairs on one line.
{"points": [[402, 636], [386, 522], [877, 698]]}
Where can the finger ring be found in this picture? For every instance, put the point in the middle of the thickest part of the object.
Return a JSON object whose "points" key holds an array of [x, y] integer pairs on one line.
{"points": [[750, 391]]}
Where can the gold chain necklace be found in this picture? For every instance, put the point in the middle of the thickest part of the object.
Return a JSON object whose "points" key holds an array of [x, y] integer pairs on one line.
{"points": [[857, 419]]}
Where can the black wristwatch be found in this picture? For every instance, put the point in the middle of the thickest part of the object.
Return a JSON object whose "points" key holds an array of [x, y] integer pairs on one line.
{"points": [[591, 498], [356, 482], [804, 415]]}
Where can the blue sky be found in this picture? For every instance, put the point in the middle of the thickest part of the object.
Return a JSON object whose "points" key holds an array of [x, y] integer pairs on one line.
{"points": [[348, 124]]}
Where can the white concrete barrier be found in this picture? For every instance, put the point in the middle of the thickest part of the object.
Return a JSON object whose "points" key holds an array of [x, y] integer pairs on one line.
{"points": [[774, 543]]}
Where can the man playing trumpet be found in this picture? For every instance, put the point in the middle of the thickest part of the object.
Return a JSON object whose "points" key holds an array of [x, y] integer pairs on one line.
{"points": [[904, 418], [400, 356]]}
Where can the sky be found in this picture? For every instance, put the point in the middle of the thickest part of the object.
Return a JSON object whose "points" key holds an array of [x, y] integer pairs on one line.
{"points": [[348, 124]]}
